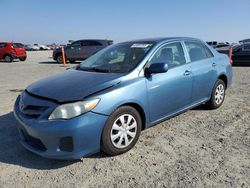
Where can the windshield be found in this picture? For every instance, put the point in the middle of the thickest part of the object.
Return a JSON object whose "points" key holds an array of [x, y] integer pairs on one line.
{"points": [[119, 58]]}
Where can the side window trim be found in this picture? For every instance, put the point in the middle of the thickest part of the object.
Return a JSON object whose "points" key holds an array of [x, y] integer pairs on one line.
{"points": [[188, 60], [203, 45], [162, 45]]}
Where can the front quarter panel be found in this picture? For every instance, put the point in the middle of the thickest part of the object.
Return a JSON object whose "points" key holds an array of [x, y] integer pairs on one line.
{"points": [[130, 91]]}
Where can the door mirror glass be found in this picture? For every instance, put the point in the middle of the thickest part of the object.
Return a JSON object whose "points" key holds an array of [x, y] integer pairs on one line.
{"points": [[156, 68]]}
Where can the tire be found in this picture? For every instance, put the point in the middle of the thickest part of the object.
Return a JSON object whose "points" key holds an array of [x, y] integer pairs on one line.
{"points": [[22, 58], [118, 137], [218, 95], [59, 58], [8, 58]]}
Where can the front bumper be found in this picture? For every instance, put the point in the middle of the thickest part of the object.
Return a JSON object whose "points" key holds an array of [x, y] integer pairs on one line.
{"points": [[61, 139]]}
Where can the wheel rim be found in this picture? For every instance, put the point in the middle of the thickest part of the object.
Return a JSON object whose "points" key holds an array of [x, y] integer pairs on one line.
{"points": [[219, 94], [7, 58], [123, 131], [59, 59]]}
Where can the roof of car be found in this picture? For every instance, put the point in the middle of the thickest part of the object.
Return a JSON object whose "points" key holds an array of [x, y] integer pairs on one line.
{"points": [[160, 39], [6, 42], [10, 43]]}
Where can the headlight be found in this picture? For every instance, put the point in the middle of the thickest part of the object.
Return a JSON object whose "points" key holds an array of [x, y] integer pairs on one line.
{"points": [[67, 111]]}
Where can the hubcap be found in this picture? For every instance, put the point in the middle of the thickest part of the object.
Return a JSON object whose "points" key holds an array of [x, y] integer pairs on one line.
{"points": [[7, 58], [219, 94], [123, 131], [59, 59]]}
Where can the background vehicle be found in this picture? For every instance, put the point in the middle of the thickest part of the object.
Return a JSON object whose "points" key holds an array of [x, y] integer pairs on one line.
{"points": [[80, 50], [212, 43], [105, 102], [222, 48], [10, 51], [244, 41], [29, 47], [241, 54], [42, 47]]}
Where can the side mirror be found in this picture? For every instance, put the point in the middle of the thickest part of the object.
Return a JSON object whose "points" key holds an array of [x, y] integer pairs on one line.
{"points": [[156, 68]]}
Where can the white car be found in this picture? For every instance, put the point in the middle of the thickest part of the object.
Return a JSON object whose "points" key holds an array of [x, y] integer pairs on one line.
{"points": [[41, 47], [29, 47]]}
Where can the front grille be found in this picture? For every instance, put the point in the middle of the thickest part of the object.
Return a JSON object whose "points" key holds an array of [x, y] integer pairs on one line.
{"points": [[31, 107], [32, 111], [33, 142]]}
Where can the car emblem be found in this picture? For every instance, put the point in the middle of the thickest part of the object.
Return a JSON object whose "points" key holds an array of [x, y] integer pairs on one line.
{"points": [[21, 105]]}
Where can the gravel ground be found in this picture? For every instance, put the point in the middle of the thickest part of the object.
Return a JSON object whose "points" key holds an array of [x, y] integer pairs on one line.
{"points": [[199, 148]]}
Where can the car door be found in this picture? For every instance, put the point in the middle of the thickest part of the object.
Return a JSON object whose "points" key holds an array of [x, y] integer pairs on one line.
{"points": [[72, 52], [89, 47], [2, 47], [203, 67], [171, 91]]}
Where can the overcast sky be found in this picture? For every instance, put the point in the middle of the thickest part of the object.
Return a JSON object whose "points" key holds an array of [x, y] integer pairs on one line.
{"points": [[48, 21]]}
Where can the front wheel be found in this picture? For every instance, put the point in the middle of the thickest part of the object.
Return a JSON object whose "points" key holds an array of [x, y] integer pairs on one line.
{"points": [[121, 131], [218, 95], [59, 58]]}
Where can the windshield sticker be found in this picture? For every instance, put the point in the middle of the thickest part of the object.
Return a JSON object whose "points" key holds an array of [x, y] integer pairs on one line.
{"points": [[140, 45]]}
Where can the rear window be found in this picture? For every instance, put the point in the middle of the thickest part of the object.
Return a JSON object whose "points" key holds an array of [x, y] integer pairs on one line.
{"points": [[91, 43], [198, 51], [110, 42], [17, 45], [2, 45]]}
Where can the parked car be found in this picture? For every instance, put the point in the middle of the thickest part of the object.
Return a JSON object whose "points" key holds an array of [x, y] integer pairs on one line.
{"points": [[241, 54], [218, 44], [10, 51], [80, 50], [41, 47], [244, 41], [223, 48], [30, 47], [105, 102]]}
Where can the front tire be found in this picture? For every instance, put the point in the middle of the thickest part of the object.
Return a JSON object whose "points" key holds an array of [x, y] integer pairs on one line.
{"points": [[218, 95], [59, 58], [121, 131]]}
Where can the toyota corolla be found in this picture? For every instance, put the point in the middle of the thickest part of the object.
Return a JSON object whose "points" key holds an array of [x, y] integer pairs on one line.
{"points": [[106, 101]]}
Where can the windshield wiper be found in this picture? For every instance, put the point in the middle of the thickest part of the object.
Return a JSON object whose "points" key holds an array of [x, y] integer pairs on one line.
{"points": [[94, 69]]}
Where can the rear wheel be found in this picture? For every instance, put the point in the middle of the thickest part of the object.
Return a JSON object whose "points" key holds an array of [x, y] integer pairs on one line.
{"points": [[22, 58], [8, 58], [121, 131], [218, 95]]}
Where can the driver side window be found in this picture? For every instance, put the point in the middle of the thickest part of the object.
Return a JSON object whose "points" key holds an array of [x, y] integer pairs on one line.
{"points": [[171, 54], [76, 44]]}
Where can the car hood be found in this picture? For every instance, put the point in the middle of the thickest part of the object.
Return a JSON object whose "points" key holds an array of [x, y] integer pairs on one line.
{"points": [[73, 85]]}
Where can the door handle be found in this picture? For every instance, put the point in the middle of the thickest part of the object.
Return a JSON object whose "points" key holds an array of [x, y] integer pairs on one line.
{"points": [[187, 72], [214, 64]]}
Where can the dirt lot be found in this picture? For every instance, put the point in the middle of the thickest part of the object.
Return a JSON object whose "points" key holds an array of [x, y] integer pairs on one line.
{"points": [[199, 148]]}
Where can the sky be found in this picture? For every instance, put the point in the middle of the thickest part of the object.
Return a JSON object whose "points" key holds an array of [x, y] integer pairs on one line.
{"points": [[57, 21]]}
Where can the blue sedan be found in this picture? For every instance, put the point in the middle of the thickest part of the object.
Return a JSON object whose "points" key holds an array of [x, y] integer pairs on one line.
{"points": [[106, 101]]}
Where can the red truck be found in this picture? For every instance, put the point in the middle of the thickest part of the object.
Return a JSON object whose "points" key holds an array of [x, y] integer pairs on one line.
{"points": [[10, 51]]}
